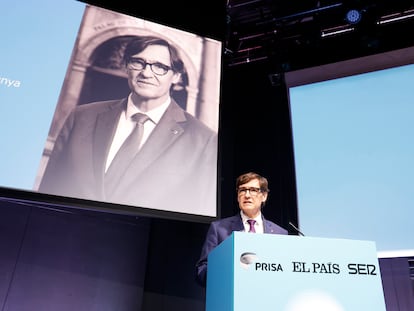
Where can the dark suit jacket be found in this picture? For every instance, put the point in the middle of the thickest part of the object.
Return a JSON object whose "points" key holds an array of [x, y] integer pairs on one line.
{"points": [[221, 229], [175, 170]]}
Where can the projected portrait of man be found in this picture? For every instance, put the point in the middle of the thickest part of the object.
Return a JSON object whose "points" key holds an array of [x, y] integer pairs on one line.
{"points": [[141, 150]]}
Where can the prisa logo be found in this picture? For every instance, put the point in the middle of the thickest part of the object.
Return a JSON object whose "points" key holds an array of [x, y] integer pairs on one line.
{"points": [[249, 259]]}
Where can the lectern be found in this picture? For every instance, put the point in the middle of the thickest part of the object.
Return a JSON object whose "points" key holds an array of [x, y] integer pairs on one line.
{"points": [[290, 273]]}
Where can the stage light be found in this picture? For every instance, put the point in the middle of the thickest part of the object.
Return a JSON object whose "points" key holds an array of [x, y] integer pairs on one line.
{"points": [[353, 16]]}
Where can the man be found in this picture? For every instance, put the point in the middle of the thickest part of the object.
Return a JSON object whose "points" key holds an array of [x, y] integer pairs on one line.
{"points": [[252, 191], [177, 155]]}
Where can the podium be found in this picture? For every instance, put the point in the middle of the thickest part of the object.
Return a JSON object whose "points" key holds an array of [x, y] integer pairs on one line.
{"points": [[291, 273]]}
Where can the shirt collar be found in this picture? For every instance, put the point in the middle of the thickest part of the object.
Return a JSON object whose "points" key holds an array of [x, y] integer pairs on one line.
{"points": [[154, 114], [258, 218]]}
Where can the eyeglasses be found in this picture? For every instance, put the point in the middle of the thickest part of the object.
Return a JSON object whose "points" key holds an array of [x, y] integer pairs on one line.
{"points": [[252, 190], [140, 64]]}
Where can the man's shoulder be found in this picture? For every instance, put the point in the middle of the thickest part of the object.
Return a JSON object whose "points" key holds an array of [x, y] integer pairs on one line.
{"points": [[274, 228], [226, 220], [190, 121]]}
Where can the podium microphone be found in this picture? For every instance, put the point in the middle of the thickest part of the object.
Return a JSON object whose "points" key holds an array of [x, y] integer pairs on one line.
{"points": [[296, 229]]}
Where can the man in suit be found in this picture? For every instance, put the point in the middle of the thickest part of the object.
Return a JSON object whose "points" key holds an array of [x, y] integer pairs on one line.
{"points": [[252, 192], [175, 168]]}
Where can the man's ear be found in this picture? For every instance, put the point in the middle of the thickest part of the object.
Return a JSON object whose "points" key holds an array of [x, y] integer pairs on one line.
{"points": [[176, 78]]}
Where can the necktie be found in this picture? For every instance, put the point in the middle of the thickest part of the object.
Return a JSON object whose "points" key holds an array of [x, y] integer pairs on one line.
{"points": [[126, 153], [251, 223]]}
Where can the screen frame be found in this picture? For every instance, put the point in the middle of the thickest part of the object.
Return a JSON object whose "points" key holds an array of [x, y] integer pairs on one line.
{"points": [[327, 72], [194, 57]]}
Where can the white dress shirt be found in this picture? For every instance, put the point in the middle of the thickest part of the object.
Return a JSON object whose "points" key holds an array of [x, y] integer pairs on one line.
{"points": [[258, 226], [126, 125]]}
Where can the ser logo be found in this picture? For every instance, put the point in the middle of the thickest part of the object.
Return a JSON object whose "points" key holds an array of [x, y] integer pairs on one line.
{"points": [[367, 269]]}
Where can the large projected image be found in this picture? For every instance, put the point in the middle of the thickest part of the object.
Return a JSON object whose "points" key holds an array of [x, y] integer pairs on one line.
{"points": [[113, 67], [353, 151]]}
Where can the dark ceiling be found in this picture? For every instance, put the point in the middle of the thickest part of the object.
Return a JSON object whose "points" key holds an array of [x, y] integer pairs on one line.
{"points": [[297, 34], [291, 34]]}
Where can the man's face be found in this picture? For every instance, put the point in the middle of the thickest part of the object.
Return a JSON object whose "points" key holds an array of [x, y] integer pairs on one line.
{"points": [[250, 201], [147, 84]]}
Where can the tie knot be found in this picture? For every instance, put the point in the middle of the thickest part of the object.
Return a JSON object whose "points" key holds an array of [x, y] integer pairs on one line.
{"points": [[251, 222], [140, 118]]}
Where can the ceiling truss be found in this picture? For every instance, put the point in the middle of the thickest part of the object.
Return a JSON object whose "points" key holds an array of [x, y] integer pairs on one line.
{"points": [[296, 34]]}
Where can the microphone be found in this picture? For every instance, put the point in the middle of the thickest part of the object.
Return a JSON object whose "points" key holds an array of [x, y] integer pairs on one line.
{"points": [[296, 229]]}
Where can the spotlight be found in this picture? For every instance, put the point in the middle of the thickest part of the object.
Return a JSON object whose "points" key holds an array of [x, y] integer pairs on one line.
{"points": [[353, 16]]}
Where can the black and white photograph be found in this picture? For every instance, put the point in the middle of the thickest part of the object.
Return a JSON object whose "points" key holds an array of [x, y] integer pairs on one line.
{"points": [[122, 67]]}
